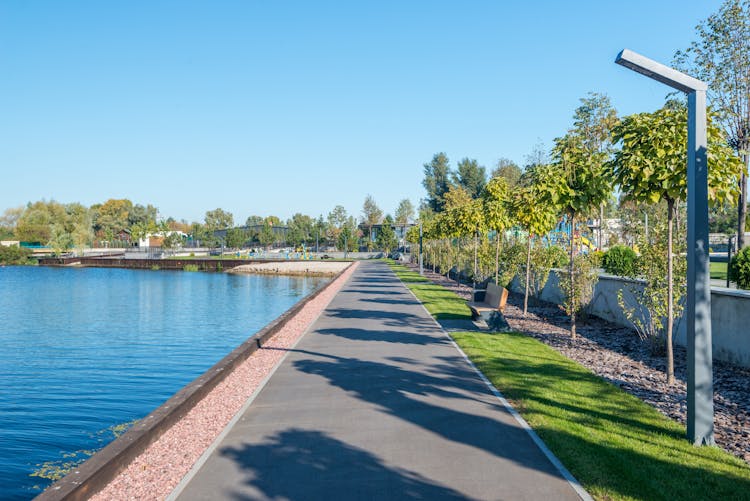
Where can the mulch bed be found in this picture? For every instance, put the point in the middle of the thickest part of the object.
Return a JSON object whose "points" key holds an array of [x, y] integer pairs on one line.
{"points": [[619, 356]]}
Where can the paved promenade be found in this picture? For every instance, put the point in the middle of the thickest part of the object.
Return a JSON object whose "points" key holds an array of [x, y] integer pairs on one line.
{"points": [[375, 402]]}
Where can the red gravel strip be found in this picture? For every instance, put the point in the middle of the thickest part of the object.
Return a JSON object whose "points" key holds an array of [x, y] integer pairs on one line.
{"points": [[156, 472]]}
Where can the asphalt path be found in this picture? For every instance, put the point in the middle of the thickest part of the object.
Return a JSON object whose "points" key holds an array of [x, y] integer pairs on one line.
{"points": [[375, 402]]}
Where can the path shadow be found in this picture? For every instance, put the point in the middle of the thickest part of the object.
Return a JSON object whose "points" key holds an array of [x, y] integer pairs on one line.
{"points": [[402, 393], [388, 318], [298, 464], [384, 336]]}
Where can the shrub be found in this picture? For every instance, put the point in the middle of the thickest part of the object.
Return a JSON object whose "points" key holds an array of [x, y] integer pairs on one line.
{"points": [[620, 260], [14, 255], [558, 256], [190, 267], [739, 268]]}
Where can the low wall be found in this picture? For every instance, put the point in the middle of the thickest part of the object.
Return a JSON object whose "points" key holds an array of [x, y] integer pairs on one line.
{"points": [[730, 313]]}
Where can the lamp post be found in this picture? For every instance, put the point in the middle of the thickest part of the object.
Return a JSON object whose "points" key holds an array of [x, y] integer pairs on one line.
{"points": [[421, 266], [700, 394]]}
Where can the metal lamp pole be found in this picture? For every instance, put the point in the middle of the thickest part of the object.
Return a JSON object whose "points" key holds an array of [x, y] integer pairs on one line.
{"points": [[700, 394], [421, 266]]}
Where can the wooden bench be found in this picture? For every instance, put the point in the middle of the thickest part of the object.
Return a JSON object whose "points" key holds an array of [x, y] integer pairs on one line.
{"points": [[491, 309]]}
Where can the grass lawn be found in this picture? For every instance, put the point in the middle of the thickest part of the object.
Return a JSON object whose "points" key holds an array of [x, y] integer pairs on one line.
{"points": [[617, 446], [439, 301], [719, 271]]}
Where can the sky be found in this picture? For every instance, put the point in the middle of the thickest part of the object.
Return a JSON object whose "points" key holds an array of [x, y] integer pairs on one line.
{"points": [[277, 107]]}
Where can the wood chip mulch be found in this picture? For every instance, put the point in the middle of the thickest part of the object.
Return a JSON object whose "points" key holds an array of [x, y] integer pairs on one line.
{"points": [[618, 355]]}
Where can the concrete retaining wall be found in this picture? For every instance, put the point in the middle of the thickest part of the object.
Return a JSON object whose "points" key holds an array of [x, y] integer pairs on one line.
{"points": [[730, 313]]}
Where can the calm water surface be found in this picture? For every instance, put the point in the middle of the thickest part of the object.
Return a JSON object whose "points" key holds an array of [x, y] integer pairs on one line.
{"points": [[83, 350]]}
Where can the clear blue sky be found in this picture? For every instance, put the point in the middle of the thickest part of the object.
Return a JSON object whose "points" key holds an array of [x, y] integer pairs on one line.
{"points": [[280, 107]]}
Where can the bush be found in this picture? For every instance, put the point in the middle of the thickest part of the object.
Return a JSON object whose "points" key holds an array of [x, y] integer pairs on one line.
{"points": [[558, 256], [739, 268], [14, 255], [620, 260], [190, 267]]}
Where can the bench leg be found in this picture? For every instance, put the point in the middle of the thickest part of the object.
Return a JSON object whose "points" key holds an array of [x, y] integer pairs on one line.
{"points": [[495, 321]]}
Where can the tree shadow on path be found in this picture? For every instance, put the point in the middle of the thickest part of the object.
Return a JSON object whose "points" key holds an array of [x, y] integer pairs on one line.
{"points": [[298, 464]]}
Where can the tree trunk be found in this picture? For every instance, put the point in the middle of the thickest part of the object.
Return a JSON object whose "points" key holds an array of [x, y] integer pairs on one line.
{"points": [[670, 294], [476, 244], [572, 299], [601, 223], [742, 202], [458, 260], [528, 276], [497, 258]]}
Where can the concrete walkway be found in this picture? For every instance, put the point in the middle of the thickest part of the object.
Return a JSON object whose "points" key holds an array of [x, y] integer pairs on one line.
{"points": [[375, 402]]}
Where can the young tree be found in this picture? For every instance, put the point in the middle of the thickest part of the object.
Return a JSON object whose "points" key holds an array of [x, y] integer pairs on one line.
{"points": [[496, 207], [463, 217], [437, 181], [371, 215], [577, 182], [470, 176], [536, 218], [721, 58], [652, 166]]}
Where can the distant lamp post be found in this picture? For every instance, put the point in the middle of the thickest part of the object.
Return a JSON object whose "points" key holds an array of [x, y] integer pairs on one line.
{"points": [[421, 266], [700, 394]]}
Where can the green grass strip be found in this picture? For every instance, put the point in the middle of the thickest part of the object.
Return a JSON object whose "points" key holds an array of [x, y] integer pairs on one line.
{"points": [[439, 301], [617, 446], [718, 271]]}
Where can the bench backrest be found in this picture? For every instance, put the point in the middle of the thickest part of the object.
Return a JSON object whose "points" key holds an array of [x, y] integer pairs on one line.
{"points": [[496, 296]]}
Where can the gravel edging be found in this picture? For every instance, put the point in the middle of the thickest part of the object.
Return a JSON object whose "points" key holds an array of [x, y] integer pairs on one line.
{"points": [[149, 460], [616, 354]]}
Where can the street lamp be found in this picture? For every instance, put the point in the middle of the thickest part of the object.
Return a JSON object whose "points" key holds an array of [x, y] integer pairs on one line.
{"points": [[700, 394], [421, 266]]}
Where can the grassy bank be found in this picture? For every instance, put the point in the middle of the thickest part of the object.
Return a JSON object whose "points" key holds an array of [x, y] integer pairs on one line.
{"points": [[617, 446]]}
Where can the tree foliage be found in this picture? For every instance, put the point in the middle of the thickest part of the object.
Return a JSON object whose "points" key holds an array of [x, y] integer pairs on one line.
{"points": [[721, 58], [218, 219], [470, 176], [508, 170], [651, 164], [386, 238], [437, 181], [404, 212]]}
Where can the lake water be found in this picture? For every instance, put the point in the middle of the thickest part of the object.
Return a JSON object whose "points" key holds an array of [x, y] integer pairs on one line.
{"points": [[85, 350]]}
